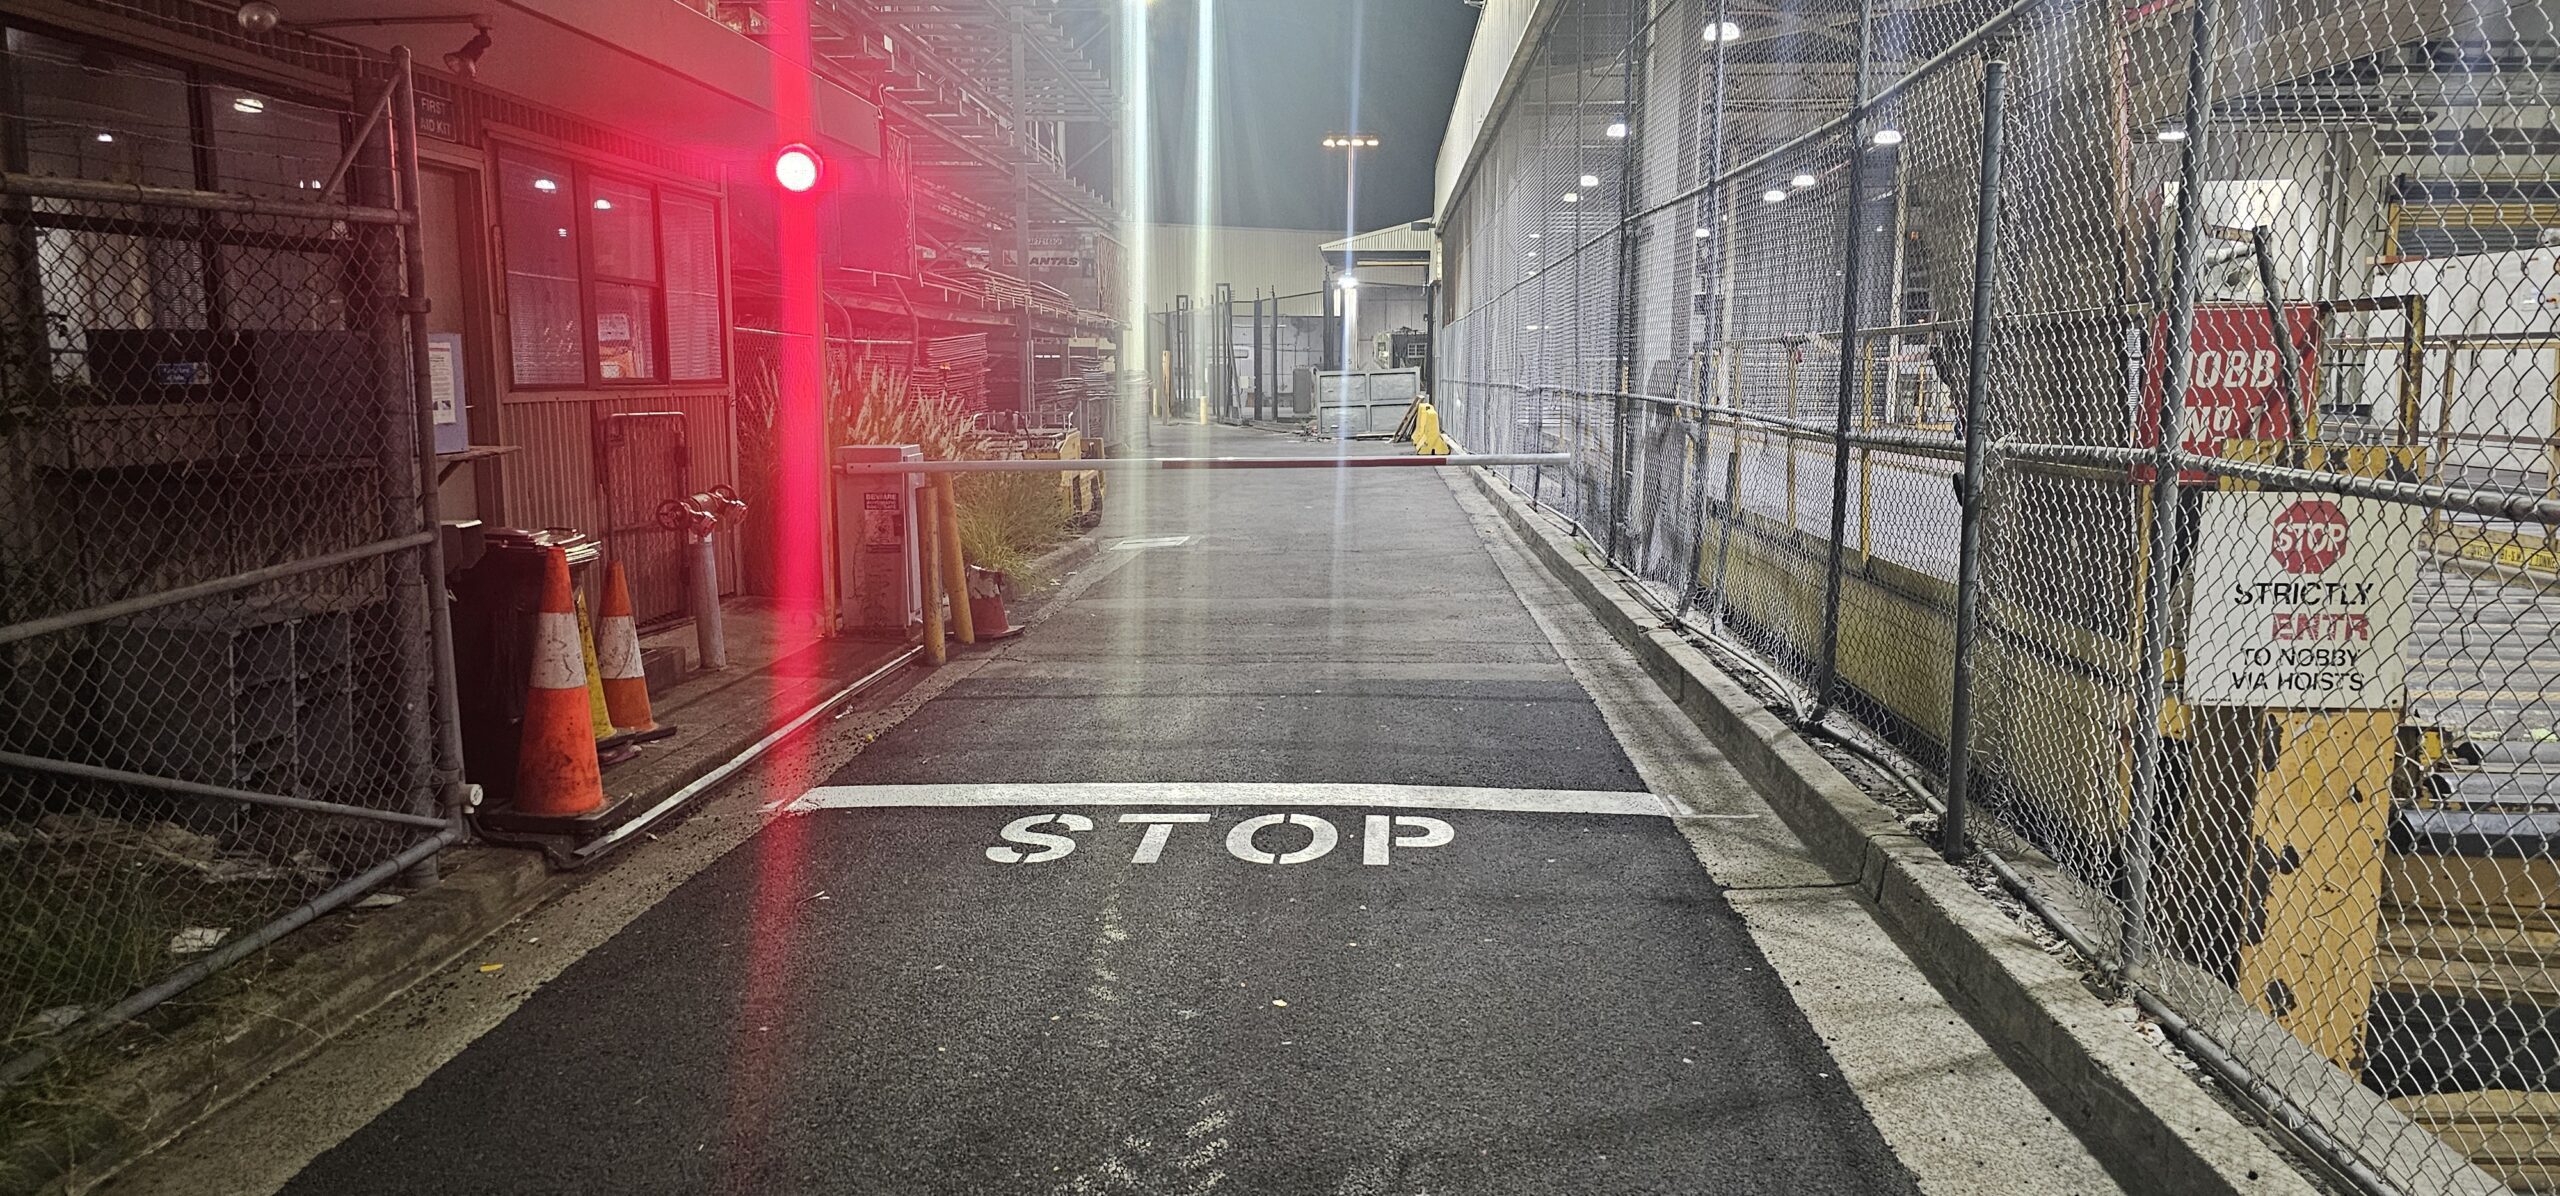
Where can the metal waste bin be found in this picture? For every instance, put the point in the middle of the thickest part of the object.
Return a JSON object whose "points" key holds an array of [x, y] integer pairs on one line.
{"points": [[494, 604]]}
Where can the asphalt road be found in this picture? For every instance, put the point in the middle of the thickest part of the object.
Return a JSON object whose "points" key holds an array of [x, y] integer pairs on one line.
{"points": [[900, 997]]}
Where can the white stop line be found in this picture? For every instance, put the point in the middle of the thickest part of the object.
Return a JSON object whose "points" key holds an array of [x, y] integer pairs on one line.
{"points": [[1188, 793]]}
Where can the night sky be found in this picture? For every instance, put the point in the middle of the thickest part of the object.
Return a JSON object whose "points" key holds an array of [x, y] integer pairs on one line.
{"points": [[1285, 77]]}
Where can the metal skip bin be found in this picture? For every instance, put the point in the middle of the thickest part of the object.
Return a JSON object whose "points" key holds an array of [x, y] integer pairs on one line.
{"points": [[876, 542], [1359, 403]]}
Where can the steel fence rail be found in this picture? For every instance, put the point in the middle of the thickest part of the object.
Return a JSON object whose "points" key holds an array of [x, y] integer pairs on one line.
{"points": [[118, 776], [2470, 500], [184, 199], [248, 579], [1168, 464], [229, 953]]}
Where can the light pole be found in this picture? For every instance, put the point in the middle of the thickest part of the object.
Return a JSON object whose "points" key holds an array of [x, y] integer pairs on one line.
{"points": [[1340, 297]]}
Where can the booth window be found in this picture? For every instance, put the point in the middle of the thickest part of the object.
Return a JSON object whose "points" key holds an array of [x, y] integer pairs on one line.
{"points": [[610, 280], [693, 288]]}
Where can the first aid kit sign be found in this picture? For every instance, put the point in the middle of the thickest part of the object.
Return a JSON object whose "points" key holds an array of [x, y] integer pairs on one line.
{"points": [[2301, 601]]}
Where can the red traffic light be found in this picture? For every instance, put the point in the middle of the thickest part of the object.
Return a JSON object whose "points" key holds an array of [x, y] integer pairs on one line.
{"points": [[796, 168]]}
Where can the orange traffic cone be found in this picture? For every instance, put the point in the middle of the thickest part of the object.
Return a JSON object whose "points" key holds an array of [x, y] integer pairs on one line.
{"points": [[556, 772], [626, 683], [986, 604]]}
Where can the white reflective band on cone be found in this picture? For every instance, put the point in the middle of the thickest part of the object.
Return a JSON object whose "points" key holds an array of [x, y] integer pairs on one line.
{"points": [[617, 648], [558, 661]]}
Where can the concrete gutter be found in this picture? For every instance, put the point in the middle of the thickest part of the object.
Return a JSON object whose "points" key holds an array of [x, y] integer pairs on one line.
{"points": [[338, 971], [2146, 1121]]}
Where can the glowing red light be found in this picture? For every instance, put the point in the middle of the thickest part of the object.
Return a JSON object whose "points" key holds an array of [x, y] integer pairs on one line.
{"points": [[796, 168]]}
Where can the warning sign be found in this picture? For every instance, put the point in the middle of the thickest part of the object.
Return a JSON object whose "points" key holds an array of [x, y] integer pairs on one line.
{"points": [[884, 521], [2301, 601], [2239, 385]]}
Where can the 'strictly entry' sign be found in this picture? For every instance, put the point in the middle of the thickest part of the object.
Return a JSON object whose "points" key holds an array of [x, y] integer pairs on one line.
{"points": [[2301, 601]]}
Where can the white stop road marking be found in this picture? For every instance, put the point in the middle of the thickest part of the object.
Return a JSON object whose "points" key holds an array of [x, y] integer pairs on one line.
{"points": [[1042, 838], [1177, 794], [1256, 837]]}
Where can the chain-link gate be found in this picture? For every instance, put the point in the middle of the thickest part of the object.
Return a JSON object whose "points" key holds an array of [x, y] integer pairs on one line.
{"points": [[2157, 398], [226, 704]]}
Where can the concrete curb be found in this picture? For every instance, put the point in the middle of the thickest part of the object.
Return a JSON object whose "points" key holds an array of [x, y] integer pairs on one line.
{"points": [[2146, 1121], [1052, 566], [138, 1105]]}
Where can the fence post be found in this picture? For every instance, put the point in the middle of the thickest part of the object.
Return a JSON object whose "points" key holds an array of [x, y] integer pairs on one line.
{"points": [[1716, 394], [1622, 350], [1975, 478], [1827, 675], [2153, 636], [1732, 492], [443, 698]]}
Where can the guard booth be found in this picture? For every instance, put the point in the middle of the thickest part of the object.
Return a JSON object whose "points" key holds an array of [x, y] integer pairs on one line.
{"points": [[876, 571]]}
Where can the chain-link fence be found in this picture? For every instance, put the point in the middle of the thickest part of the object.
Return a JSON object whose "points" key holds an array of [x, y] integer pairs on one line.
{"points": [[221, 621], [2155, 398]]}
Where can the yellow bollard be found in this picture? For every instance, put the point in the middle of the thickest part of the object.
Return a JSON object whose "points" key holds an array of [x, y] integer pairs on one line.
{"points": [[1427, 439], [929, 575], [955, 565]]}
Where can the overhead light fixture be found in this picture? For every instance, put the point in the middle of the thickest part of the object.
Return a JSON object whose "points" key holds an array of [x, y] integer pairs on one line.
{"points": [[545, 185], [1348, 282], [603, 204], [2170, 134], [1535, 236], [249, 104], [1805, 180], [1591, 180], [1332, 142], [466, 61], [1701, 234], [1617, 128], [1773, 195], [1573, 197], [1888, 136], [105, 137], [1722, 31]]}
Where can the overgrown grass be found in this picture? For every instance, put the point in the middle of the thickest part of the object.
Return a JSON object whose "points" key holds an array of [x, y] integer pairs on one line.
{"points": [[1006, 519], [87, 936]]}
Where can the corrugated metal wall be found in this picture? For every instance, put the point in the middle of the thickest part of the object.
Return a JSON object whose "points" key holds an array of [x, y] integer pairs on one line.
{"points": [[554, 483], [1291, 260]]}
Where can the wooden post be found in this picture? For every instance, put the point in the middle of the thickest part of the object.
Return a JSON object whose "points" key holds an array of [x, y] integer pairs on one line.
{"points": [[955, 567], [929, 570]]}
